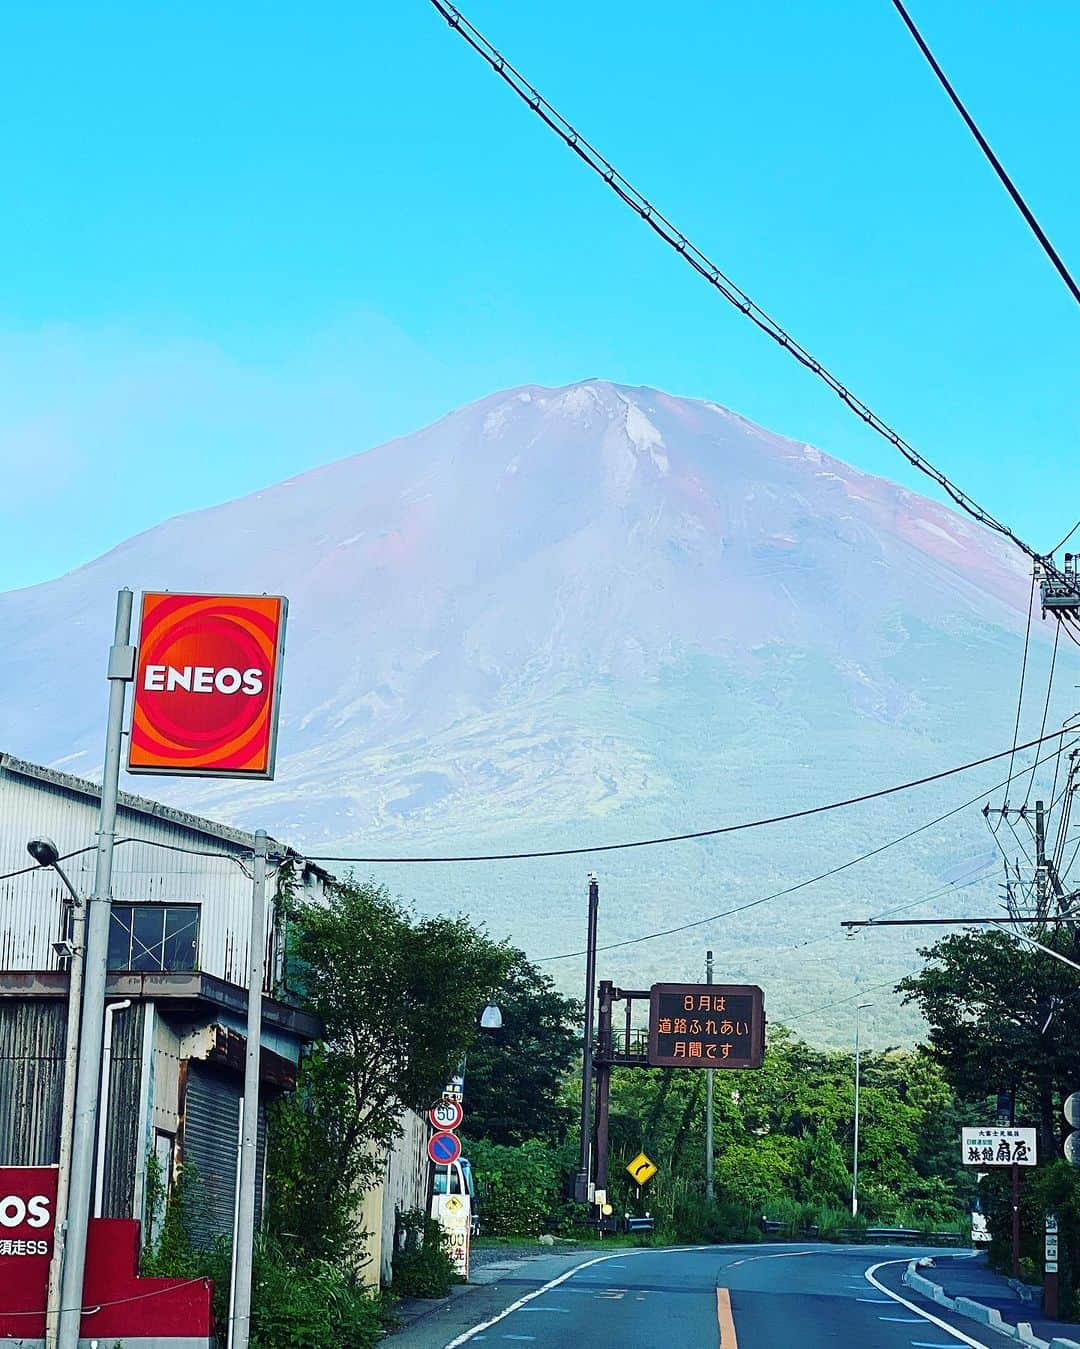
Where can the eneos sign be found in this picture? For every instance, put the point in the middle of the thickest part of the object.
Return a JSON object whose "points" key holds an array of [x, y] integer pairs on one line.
{"points": [[207, 682]]}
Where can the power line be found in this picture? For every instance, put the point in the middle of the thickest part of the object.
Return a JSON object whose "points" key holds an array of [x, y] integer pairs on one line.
{"points": [[706, 268], [1010, 186], [801, 1016], [147, 842], [1023, 675], [1065, 540], [779, 894], [694, 834], [978, 875], [1046, 710]]}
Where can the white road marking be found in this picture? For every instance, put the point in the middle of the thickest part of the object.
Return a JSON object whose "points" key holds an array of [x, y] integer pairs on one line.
{"points": [[474, 1331], [868, 1274], [781, 1255]]}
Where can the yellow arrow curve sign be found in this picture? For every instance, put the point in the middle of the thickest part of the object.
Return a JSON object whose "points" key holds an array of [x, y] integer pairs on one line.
{"points": [[642, 1169]]}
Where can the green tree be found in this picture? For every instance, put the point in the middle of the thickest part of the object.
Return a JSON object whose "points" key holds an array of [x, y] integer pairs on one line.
{"points": [[399, 998], [514, 1074], [1003, 1017]]}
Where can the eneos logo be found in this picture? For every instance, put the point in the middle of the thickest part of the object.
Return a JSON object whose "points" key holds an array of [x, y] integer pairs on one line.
{"points": [[206, 685], [33, 1211]]}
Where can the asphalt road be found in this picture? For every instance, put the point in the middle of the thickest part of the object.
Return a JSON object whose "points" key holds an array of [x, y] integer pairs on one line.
{"points": [[751, 1297]]}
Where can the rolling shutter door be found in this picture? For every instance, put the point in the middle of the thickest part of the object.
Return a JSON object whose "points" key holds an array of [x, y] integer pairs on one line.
{"points": [[211, 1142]]}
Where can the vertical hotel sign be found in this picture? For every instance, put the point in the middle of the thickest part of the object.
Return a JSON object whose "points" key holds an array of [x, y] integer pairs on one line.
{"points": [[207, 685]]}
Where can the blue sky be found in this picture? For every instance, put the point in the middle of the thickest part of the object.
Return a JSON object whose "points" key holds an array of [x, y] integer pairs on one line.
{"points": [[240, 241]]}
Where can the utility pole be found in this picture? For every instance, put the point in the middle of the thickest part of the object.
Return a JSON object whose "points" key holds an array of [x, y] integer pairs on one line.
{"points": [[1042, 888], [603, 1081], [709, 1159], [243, 1248], [581, 1186], [121, 671], [855, 1158], [1015, 1197]]}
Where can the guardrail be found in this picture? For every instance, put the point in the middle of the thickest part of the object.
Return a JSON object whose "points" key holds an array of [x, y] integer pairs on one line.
{"points": [[891, 1236]]}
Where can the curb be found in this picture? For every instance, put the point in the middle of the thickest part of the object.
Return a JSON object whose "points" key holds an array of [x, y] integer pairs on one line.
{"points": [[978, 1311]]}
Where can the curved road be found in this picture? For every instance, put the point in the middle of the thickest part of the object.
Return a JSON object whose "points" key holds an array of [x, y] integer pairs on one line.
{"points": [[749, 1297]]}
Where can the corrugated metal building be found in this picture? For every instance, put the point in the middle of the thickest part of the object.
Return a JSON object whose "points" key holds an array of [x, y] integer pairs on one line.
{"points": [[175, 1023]]}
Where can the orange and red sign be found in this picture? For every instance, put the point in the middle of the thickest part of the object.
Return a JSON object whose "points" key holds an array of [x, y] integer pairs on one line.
{"points": [[206, 685]]}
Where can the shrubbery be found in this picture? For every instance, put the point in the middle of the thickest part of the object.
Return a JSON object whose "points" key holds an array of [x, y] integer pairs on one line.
{"points": [[521, 1187], [296, 1302], [422, 1266]]}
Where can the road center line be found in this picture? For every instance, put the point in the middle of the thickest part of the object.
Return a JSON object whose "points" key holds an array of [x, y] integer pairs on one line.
{"points": [[726, 1320], [868, 1274]]}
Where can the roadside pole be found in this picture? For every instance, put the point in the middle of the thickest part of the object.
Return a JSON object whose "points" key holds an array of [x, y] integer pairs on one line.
{"points": [[67, 1116], [240, 1312], [603, 1084], [121, 670], [1015, 1196], [584, 1176], [709, 1158]]}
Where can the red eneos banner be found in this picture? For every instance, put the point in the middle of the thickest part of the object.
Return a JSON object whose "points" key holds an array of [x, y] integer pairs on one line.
{"points": [[27, 1218], [207, 685], [118, 1303]]}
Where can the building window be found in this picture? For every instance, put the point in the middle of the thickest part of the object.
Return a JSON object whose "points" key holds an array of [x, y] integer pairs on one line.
{"points": [[153, 937]]}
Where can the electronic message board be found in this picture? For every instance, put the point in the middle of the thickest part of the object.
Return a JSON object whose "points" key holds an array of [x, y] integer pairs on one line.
{"points": [[706, 1026]]}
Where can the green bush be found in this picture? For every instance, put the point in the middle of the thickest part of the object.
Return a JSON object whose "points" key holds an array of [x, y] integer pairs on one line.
{"points": [[422, 1267], [521, 1187], [311, 1305], [296, 1302]]}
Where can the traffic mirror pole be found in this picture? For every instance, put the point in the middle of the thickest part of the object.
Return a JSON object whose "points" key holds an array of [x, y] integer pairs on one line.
{"points": [[121, 671]]}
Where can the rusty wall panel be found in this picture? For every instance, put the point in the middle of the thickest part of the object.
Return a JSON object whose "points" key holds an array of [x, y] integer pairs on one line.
{"points": [[405, 1185], [122, 1125], [32, 1037]]}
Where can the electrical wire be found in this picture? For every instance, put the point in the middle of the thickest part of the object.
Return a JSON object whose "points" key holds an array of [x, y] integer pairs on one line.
{"points": [[1023, 675], [706, 268], [1010, 186], [147, 842], [1065, 540], [1046, 711], [693, 834], [801, 1016], [778, 894], [951, 888], [36, 866]]}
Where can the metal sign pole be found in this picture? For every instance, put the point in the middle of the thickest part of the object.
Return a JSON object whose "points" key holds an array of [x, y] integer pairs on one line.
{"points": [[121, 671], [240, 1313]]}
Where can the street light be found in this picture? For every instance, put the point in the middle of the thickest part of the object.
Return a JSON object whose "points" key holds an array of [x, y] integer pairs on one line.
{"points": [[46, 854], [855, 1162], [491, 1017]]}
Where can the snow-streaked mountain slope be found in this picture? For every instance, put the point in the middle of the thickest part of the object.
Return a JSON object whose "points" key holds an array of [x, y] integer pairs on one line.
{"points": [[560, 616]]}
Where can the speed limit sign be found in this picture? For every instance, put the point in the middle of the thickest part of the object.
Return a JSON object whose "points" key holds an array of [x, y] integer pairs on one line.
{"points": [[447, 1115]]}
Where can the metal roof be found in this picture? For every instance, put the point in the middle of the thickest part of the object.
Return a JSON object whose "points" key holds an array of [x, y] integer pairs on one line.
{"points": [[142, 805]]}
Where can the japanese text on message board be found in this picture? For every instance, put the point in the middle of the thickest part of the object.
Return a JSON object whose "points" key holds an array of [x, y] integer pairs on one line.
{"points": [[706, 1025]]}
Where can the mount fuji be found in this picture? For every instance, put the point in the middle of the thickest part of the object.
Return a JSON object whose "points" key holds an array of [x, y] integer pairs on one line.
{"points": [[579, 616]]}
